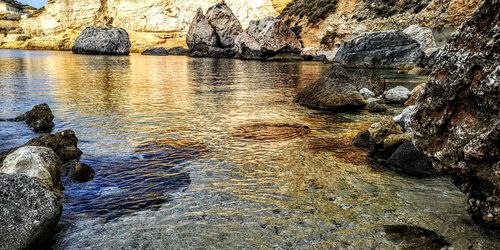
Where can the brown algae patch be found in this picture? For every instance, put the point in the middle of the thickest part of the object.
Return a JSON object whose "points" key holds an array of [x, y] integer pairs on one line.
{"points": [[266, 131]]}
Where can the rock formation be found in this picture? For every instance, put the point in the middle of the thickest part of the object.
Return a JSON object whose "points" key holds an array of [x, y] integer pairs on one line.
{"points": [[102, 41], [457, 121], [39, 163], [334, 90], [64, 144], [381, 48], [158, 51], [29, 213], [40, 118], [225, 24], [274, 36]]}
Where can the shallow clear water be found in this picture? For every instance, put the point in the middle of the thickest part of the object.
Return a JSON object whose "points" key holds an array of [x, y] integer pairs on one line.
{"points": [[197, 153]]}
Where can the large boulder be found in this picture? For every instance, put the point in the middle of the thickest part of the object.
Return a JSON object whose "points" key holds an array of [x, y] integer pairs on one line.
{"points": [[407, 159], [457, 121], [424, 36], [29, 213], [333, 91], [225, 24], [201, 32], [389, 48], [274, 36], [37, 162], [64, 144], [40, 118], [247, 47], [102, 41]]}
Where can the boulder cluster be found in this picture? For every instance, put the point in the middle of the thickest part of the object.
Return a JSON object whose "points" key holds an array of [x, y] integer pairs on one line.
{"points": [[30, 182], [218, 33]]}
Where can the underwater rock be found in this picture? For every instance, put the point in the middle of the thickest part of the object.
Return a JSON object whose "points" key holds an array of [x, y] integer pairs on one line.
{"points": [[413, 237], [79, 172], [457, 121], [29, 213], [271, 131], [102, 41]]}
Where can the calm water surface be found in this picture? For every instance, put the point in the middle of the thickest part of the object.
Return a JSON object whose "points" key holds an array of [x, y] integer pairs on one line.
{"points": [[168, 138]]}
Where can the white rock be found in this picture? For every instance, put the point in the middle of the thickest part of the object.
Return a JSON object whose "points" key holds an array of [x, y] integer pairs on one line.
{"points": [[398, 94], [366, 93]]}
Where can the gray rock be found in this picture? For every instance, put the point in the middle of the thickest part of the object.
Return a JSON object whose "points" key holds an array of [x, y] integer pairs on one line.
{"points": [[333, 91], [388, 48], [102, 41], [369, 79], [274, 36], [64, 144], [40, 118], [397, 95], [177, 51], [424, 36], [404, 119], [286, 57], [375, 107], [29, 213], [225, 24], [201, 32], [408, 160], [457, 121], [366, 93], [247, 47], [159, 51], [39, 163]]}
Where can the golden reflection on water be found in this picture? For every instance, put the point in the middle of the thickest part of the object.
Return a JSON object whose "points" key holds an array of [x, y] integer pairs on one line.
{"points": [[243, 138]]}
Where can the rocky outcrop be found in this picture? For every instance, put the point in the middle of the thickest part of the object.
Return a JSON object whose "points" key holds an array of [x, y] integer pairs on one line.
{"points": [[424, 36], [381, 48], [333, 91], [158, 51], [102, 41], [201, 32], [225, 24], [39, 163], [29, 213], [40, 118], [274, 36], [64, 144], [457, 121]]}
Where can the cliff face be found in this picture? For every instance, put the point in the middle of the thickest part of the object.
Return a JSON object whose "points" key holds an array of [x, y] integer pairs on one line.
{"points": [[327, 23], [149, 22]]}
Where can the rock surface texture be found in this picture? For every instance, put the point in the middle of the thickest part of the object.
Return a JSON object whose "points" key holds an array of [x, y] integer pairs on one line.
{"points": [[159, 51], [457, 121], [39, 163], [274, 36], [64, 144], [333, 91], [40, 118], [225, 24], [102, 41], [29, 213], [201, 32], [389, 48]]}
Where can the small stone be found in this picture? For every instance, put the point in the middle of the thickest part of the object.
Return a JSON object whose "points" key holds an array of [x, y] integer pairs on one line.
{"points": [[397, 95], [366, 93]]}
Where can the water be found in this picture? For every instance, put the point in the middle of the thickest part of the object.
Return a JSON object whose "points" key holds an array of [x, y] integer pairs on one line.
{"points": [[214, 153]]}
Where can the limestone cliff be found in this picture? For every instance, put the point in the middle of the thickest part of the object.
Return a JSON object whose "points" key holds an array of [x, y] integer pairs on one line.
{"points": [[327, 23], [149, 22]]}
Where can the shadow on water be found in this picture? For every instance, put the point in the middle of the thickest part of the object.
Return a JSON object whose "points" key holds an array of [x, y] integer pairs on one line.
{"points": [[124, 185]]}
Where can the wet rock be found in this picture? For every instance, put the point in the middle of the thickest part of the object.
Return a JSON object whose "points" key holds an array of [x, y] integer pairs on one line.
{"points": [[398, 95], [380, 130], [77, 171], [39, 163], [64, 144], [366, 93], [414, 95], [388, 48], [404, 119], [274, 36], [369, 79], [457, 121], [424, 36], [375, 106], [333, 91], [177, 51], [102, 41], [407, 159], [159, 51], [392, 142], [412, 237], [363, 140], [201, 32], [225, 24], [247, 47], [40, 118], [29, 213]]}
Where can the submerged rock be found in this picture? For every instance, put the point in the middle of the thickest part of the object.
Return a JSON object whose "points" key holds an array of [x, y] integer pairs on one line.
{"points": [[29, 213], [37, 162], [388, 48], [102, 41], [177, 51], [397, 95], [77, 171], [264, 131], [457, 121], [159, 51], [40, 118], [407, 159], [413, 237], [64, 144], [333, 91]]}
